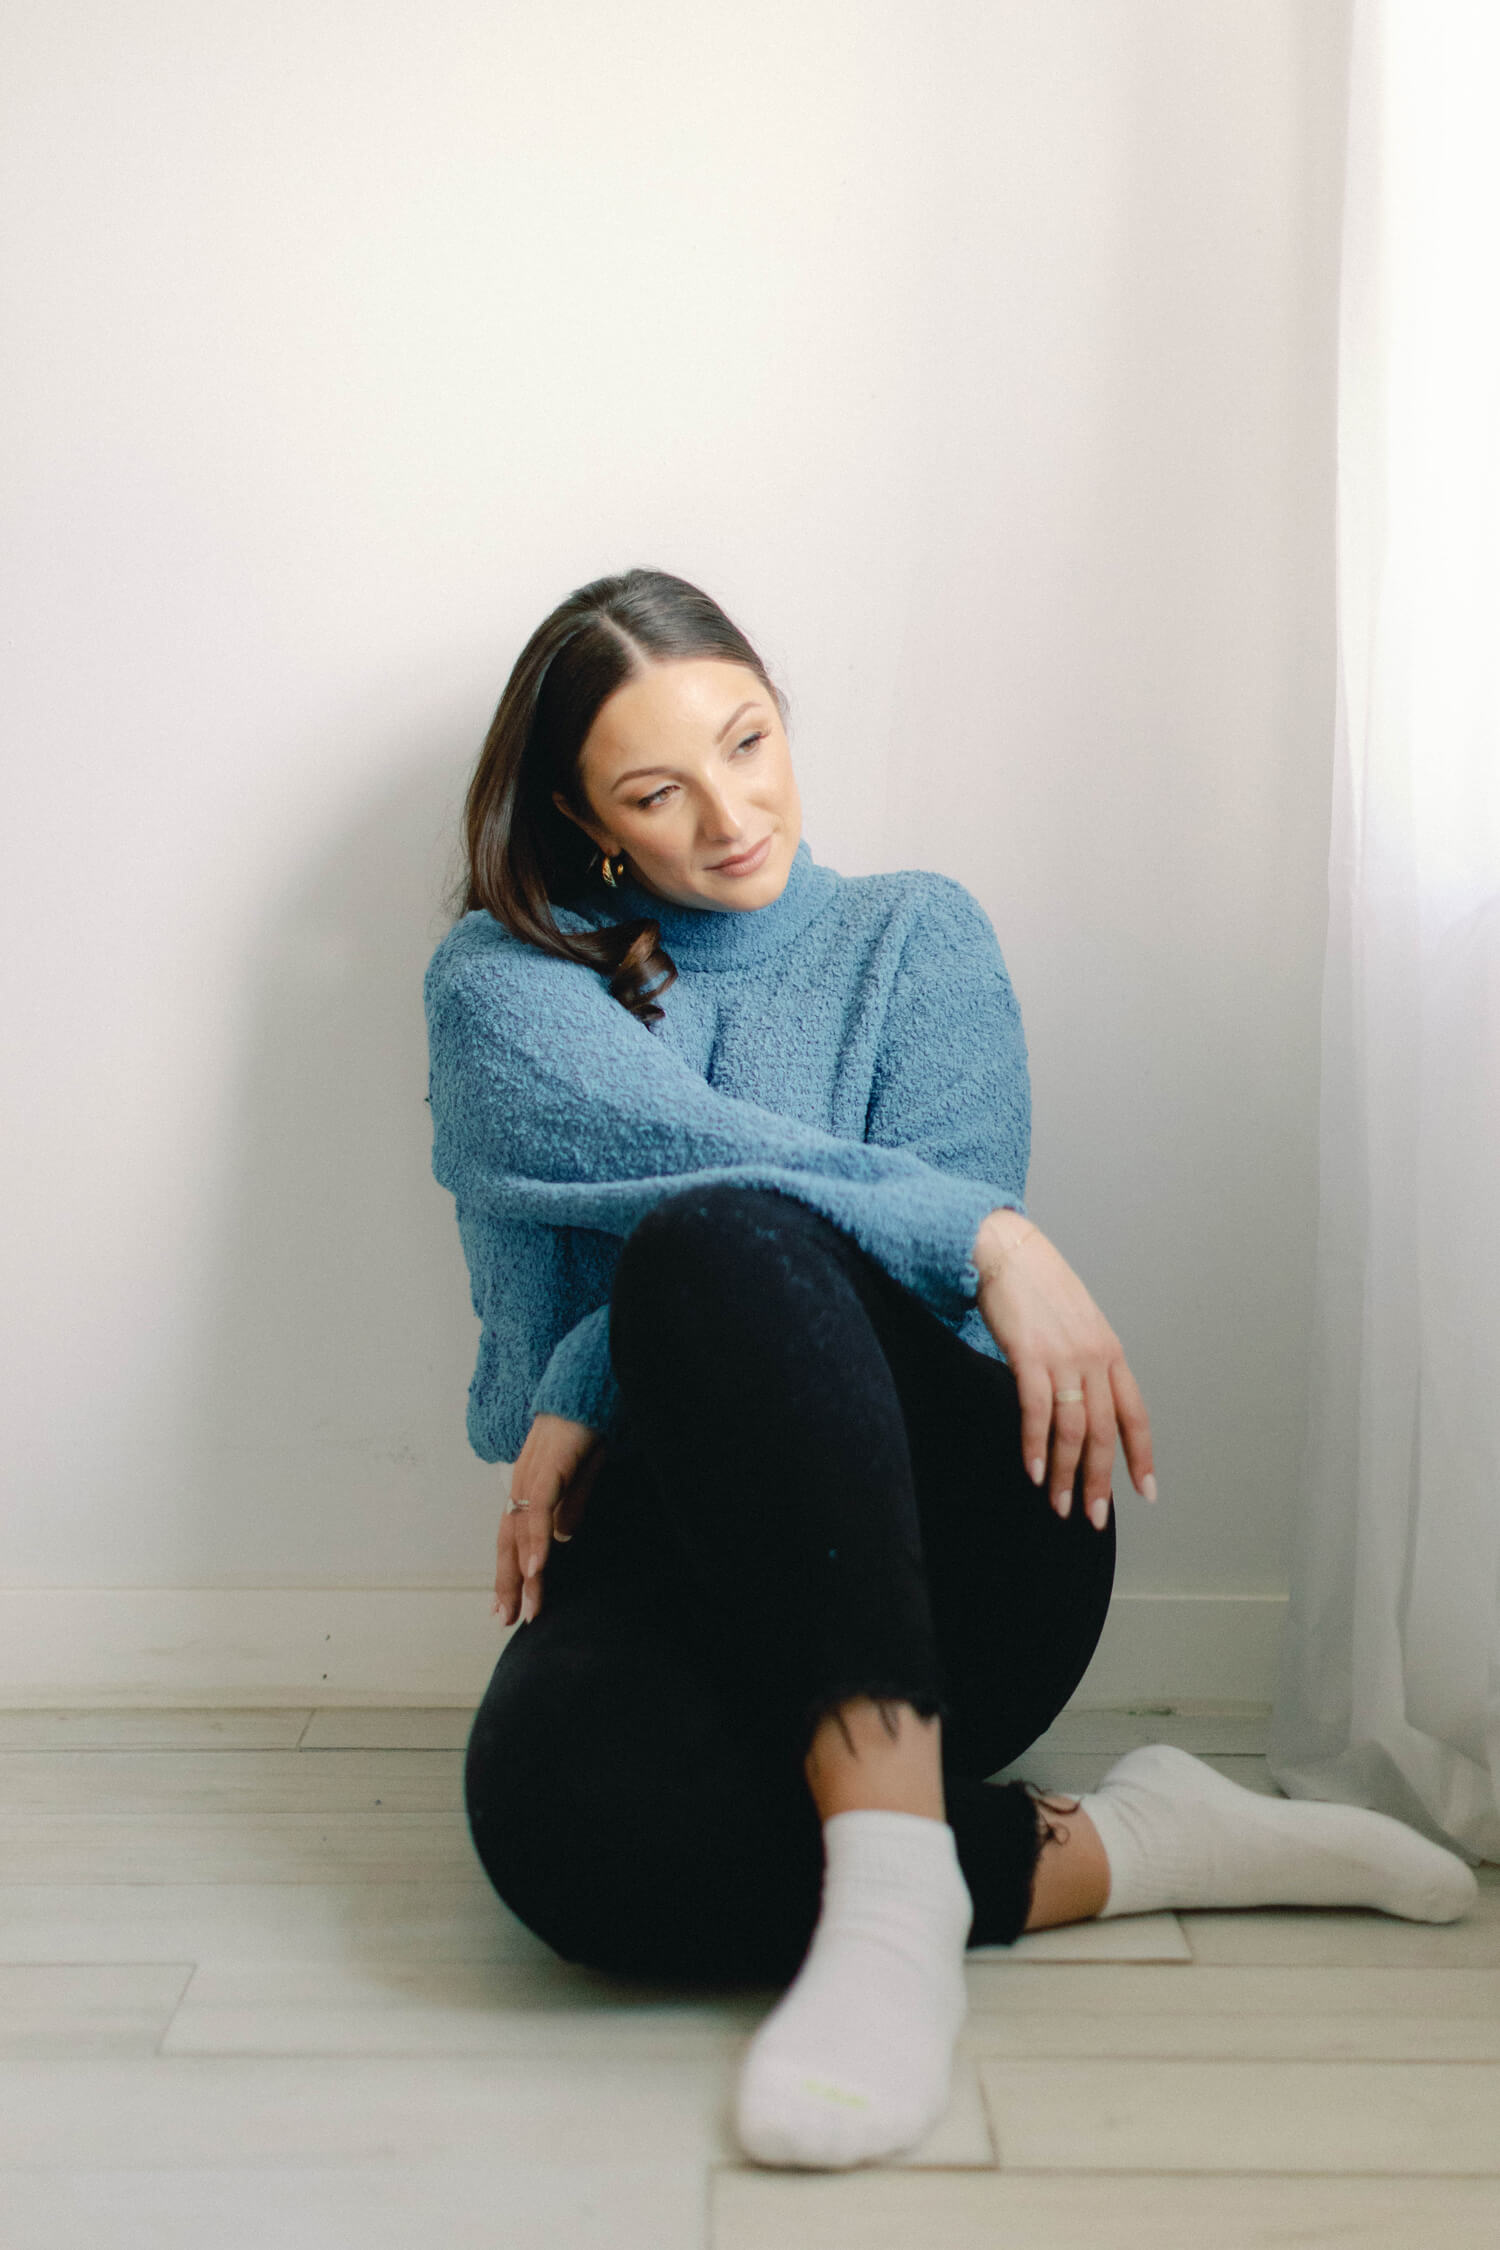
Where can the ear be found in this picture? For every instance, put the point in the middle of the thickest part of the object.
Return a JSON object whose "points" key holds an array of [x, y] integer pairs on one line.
{"points": [[587, 826]]}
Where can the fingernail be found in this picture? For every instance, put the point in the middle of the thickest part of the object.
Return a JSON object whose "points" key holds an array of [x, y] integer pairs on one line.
{"points": [[1038, 1470], [1099, 1513], [562, 1537], [1148, 1489], [1065, 1504], [528, 1606]]}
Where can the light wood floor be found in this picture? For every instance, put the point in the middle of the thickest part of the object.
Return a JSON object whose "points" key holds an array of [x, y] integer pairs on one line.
{"points": [[255, 1994]]}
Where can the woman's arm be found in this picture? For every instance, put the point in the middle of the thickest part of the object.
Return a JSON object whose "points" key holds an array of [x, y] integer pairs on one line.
{"points": [[553, 1104], [951, 1086], [952, 1082]]}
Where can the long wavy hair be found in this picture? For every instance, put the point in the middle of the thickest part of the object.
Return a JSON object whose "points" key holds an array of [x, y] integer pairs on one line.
{"points": [[523, 855]]}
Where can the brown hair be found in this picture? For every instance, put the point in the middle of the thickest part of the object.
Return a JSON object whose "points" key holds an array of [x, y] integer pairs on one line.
{"points": [[523, 855]]}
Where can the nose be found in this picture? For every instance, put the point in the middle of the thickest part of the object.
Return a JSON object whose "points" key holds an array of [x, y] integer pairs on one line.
{"points": [[722, 825]]}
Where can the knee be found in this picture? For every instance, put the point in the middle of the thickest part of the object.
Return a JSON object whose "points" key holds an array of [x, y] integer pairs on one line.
{"points": [[705, 1234], [702, 1215], [713, 1281]]}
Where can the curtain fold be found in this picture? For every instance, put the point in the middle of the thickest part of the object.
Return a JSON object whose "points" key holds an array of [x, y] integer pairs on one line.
{"points": [[1389, 1689]]}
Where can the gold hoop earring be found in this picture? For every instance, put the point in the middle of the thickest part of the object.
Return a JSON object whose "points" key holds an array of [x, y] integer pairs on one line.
{"points": [[608, 871]]}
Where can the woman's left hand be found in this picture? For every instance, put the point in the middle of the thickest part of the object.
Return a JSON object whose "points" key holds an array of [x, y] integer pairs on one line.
{"points": [[554, 1473], [1075, 1386]]}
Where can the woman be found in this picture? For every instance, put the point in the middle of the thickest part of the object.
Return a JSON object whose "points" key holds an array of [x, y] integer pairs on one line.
{"points": [[812, 1428]]}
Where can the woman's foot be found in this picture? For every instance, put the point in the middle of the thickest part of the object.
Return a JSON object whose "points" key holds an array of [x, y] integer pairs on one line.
{"points": [[1179, 1834], [853, 2063]]}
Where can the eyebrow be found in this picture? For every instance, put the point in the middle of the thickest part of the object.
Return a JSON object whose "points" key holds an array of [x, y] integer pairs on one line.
{"points": [[636, 772]]}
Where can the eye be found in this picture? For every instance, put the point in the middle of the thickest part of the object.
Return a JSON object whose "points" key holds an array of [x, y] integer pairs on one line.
{"points": [[644, 804]]}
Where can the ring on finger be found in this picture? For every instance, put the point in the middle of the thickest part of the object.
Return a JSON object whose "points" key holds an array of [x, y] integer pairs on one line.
{"points": [[517, 1507], [1064, 1398]]}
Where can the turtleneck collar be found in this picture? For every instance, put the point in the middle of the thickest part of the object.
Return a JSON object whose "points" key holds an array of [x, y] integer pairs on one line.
{"points": [[725, 937]]}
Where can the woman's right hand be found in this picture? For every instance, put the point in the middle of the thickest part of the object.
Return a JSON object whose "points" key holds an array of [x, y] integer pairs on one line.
{"points": [[554, 1473], [1056, 1339]]}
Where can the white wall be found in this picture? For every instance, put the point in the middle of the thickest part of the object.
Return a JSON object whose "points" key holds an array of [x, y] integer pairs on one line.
{"points": [[978, 356]]}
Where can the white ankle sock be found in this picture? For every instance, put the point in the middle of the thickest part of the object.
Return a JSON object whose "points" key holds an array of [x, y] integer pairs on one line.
{"points": [[1179, 1834], [853, 2062]]}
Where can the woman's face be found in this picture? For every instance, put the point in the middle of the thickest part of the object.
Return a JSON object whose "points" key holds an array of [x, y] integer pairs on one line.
{"points": [[686, 766]]}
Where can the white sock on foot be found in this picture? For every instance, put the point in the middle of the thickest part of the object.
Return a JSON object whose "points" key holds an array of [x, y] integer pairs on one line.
{"points": [[1178, 1834], [853, 2062]]}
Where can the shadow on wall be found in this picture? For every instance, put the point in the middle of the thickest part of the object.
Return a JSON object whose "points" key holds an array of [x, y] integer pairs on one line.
{"points": [[337, 1338]]}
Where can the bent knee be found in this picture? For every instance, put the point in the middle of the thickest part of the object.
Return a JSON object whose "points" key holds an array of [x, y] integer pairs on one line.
{"points": [[706, 1231]]}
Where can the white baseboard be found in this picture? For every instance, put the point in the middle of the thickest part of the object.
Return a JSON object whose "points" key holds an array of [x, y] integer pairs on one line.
{"points": [[1185, 1648], [247, 1647]]}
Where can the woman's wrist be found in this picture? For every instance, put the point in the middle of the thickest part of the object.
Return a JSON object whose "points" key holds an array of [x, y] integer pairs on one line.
{"points": [[1000, 1232]]}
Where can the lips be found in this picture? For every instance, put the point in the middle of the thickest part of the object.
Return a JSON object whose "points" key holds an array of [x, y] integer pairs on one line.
{"points": [[743, 862]]}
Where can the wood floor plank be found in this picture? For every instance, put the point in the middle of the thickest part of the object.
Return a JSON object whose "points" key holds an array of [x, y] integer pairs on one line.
{"points": [[1125, 1989], [230, 1781], [1329, 1938], [460, 2203], [378, 1847], [209, 2110], [91, 2008], [1124, 1937], [356, 1729], [542, 2006], [876, 2209], [1242, 2038], [151, 1730], [546, 2014], [1223, 2116], [549, 2012], [433, 1920]]}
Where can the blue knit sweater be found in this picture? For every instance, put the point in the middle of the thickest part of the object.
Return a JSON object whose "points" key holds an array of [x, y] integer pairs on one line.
{"points": [[855, 1043]]}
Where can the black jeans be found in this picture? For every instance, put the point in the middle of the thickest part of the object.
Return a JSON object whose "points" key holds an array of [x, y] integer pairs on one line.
{"points": [[818, 1494]]}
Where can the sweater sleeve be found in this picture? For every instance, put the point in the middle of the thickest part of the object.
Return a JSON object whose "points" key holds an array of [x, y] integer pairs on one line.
{"points": [[552, 1104], [951, 1081], [578, 1381]]}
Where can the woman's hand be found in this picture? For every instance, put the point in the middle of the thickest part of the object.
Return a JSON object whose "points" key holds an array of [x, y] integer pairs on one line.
{"points": [[554, 1474], [1057, 1340]]}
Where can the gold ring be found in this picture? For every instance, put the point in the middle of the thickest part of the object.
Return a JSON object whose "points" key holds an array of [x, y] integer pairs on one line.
{"points": [[1061, 1395]]}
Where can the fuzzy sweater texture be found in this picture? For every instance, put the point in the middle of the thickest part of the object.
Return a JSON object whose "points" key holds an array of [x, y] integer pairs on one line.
{"points": [[855, 1043]]}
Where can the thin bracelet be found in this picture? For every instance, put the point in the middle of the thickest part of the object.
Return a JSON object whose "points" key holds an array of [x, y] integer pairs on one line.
{"points": [[987, 1272]]}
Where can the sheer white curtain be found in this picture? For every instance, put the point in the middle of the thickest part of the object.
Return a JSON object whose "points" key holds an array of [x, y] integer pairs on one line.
{"points": [[1389, 1692]]}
